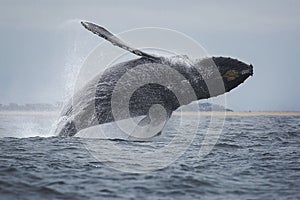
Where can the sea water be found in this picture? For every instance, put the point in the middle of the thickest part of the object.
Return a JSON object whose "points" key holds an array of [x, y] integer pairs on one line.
{"points": [[255, 157]]}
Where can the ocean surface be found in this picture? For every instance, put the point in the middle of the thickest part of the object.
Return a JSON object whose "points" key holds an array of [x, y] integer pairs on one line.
{"points": [[255, 157]]}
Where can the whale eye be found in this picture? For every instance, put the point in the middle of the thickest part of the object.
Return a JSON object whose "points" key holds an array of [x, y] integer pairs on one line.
{"points": [[231, 75]]}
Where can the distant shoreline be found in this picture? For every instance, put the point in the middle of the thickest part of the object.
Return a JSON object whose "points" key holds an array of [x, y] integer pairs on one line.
{"points": [[28, 112], [243, 113], [204, 113]]}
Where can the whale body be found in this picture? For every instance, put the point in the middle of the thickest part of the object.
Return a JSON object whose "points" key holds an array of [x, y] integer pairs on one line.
{"points": [[94, 103]]}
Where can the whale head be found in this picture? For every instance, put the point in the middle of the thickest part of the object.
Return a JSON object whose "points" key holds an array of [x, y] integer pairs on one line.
{"points": [[233, 71], [223, 74]]}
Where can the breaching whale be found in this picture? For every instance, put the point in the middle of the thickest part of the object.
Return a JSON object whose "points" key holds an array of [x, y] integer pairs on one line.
{"points": [[93, 104]]}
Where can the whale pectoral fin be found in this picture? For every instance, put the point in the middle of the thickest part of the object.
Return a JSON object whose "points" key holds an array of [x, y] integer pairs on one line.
{"points": [[158, 123], [102, 32], [145, 121]]}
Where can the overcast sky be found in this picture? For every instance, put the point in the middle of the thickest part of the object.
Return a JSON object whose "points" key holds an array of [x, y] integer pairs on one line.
{"points": [[41, 42]]}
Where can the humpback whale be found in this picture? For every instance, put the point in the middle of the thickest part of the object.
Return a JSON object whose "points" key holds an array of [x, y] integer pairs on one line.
{"points": [[94, 103]]}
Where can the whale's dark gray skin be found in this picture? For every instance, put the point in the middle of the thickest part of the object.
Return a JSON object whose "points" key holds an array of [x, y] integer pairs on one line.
{"points": [[92, 105]]}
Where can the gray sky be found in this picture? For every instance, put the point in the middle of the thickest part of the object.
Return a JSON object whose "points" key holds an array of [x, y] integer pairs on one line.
{"points": [[42, 41]]}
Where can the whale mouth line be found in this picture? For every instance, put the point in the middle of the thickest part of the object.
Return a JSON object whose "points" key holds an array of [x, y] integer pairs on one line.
{"points": [[247, 71]]}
